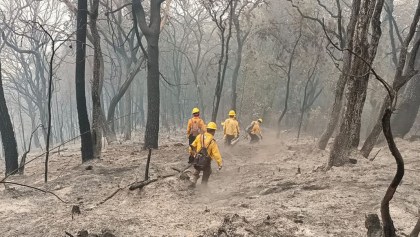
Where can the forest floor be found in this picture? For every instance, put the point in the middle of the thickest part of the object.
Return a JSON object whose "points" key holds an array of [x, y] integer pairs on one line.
{"points": [[257, 193]]}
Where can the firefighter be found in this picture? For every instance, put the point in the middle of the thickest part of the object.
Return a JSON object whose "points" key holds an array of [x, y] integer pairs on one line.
{"points": [[231, 128], [207, 142], [254, 131], [195, 127]]}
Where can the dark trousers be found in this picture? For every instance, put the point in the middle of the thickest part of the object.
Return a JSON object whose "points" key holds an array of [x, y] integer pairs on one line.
{"points": [[228, 140], [206, 175], [254, 138], [191, 139]]}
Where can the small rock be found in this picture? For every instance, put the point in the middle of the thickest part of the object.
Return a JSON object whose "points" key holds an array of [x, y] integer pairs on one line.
{"points": [[267, 220], [89, 167], [107, 234], [83, 233], [298, 221]]}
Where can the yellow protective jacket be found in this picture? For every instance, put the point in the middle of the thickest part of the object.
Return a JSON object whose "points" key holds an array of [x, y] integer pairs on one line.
{"points": [[231, 127], [256, 128], [196, 126], [212, 149]]}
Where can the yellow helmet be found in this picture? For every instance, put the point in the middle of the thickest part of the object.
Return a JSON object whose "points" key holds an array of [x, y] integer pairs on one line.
{"points": [[195, 110], [212, 125], [260, 120], [232, 113]]}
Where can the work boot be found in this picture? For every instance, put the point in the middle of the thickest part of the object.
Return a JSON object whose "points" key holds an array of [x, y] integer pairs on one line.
{"points": [[190, 159]]}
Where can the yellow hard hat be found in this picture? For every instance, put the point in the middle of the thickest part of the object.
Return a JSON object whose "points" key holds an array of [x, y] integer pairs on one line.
{"points": [[260, 120], [212, 125], [195, 110], [232, 113]]}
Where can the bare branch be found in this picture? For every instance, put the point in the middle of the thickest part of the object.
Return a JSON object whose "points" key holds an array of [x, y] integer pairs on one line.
{"points": [[28, 186], [116, 10]]}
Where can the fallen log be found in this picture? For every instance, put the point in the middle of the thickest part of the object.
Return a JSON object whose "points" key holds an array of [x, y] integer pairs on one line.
{"points": [[144, 183]]}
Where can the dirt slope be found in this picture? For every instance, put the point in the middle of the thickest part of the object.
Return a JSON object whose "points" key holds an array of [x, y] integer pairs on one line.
{"points": [[258, 193]]}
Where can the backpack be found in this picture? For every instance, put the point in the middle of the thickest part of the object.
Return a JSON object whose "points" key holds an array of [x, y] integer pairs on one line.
{"points": [[249, 128], [195, 128], [202, 159]]}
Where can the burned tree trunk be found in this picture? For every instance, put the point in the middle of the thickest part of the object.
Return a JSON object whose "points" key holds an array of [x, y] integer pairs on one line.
{"points": [[128, 114], [86, 137], [341, 83], [111, 135], [407, 111], [289, 77], [224, 54], [152, 32], [153, 93], [97, 119], [349, 133], [240, 40], [7, 134], [388, 225], [406, 61]]}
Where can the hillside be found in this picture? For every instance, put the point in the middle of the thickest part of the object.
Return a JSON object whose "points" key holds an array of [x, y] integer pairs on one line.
{"points": [[257, 193]]}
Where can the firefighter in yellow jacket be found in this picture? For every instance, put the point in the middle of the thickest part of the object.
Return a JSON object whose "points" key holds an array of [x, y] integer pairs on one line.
{"points": [[254, 131], [195, 127], [207, 141], [230, 128]]}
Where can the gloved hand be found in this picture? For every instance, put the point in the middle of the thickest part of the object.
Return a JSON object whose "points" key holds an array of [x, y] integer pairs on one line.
{"points": [[220, 167]]}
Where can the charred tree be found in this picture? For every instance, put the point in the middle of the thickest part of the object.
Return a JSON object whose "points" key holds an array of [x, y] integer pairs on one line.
{"points": [[342, 80], [128, 114], [152, 32], [406, 114], [97, 82], [84, 126], [224, 49], [388, 225], [309, 95], [343, 36], [289, 78], [7, 134], [241, 37], [404, 72], [349, 134]]}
